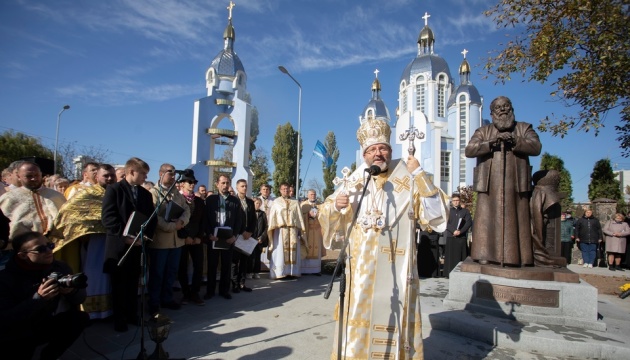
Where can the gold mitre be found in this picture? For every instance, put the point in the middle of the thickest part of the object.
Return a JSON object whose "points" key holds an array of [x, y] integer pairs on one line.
{"points": [[373, 131]]}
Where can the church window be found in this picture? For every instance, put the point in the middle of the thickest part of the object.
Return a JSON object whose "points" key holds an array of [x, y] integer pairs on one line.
{"points": [[445, 165], [441, 95], [463, 137], [420, 93], [370, 114], [403, 94]]}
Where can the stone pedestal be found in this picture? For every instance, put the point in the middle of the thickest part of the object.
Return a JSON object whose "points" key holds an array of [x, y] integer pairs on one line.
{"points": [[545, 302]]}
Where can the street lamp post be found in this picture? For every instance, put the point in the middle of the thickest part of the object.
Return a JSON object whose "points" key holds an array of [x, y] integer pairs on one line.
{"points": [[297, 168], [65, 107]]}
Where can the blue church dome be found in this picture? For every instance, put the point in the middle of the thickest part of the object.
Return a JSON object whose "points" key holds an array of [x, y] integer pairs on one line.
{"points": [[426, 63], [227, 62], [376, 107], [469, 89]]}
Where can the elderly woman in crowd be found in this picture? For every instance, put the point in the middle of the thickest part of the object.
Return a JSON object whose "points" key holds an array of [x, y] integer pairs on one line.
{"points": [[615, 231]]}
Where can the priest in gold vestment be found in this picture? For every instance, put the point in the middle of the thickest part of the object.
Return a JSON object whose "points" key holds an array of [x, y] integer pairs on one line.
{"points": [[312, 254], [79, 237], [381, 318]]}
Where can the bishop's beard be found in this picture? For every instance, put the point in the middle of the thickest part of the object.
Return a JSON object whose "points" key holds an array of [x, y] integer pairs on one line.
{"points": [[503, 122]]}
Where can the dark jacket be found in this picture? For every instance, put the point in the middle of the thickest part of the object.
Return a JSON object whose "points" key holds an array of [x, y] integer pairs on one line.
{"points": [[249, 216], [588, 230], [118, 204], [260, 232], [233, 214], [566, 230], [457, 213], [20, 305], [196, 227]]}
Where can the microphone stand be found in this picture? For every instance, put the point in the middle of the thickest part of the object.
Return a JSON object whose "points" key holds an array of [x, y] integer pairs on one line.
{"points": [[142, 354], [342, 276]]}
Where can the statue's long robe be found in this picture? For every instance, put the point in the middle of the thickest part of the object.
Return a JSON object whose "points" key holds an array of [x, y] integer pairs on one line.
{"points": [[502, 226], [381, 318]]}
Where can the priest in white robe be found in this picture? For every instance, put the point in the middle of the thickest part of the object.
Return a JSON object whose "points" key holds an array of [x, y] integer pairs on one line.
{"points": [[287, 234], [381, 316]]}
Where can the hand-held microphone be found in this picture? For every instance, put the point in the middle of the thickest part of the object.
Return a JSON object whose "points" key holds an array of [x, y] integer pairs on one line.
{"points": [[373, 170]]}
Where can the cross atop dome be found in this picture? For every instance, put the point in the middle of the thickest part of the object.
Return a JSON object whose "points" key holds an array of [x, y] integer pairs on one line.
{"points": [[426, 18], [464, 53], [376, 73], [230, 7]]}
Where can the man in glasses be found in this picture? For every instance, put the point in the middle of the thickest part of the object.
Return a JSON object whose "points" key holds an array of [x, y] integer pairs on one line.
{"points": [[35, 308]]}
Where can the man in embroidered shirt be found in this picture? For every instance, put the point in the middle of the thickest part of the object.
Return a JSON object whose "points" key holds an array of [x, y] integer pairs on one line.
{"points": [[31, 207], [381, 270]]}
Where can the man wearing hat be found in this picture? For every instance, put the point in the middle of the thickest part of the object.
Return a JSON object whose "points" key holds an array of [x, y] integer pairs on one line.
{"points": [[382, 314], [192, 234]]}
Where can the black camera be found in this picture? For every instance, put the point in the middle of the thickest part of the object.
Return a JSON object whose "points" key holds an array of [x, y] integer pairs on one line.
{"points": [[75, 281]]}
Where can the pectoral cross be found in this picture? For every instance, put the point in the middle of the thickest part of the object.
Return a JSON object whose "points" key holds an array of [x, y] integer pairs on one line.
{"points": [[412, 133], [343, 181], [388, 250]]}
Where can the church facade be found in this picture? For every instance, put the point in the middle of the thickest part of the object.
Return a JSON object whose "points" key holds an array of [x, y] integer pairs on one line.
{"points": [[437, 114]]}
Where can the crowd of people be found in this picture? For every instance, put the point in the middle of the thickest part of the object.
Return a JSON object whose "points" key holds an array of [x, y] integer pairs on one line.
{"points": [[88, 227]]}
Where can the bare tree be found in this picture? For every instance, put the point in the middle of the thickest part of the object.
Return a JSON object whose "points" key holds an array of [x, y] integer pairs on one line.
{"points": [[69, 151], [316, 185]]}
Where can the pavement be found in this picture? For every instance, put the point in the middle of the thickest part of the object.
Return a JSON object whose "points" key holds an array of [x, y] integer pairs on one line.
{"points": [[290, 319]]}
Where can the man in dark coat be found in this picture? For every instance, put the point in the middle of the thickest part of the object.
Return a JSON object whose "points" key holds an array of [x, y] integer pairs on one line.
{"points": [[502, 179], [222, 210], [120, 201], [459, 221]]}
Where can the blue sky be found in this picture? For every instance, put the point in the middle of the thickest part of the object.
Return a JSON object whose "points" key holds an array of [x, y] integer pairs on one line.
{"points": [[131, 70]]}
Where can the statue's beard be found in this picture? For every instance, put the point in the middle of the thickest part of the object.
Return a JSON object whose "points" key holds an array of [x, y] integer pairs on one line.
{"points": [[503, 122]]}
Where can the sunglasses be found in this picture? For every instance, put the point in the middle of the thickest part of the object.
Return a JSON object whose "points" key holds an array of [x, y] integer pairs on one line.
{"points": [[41, 249]]}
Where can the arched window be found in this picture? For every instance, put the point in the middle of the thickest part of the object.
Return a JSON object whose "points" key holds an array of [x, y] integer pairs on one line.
{"points": [[441, 95], [463, 137], [370, 114], [403, 97], [420, 93]]}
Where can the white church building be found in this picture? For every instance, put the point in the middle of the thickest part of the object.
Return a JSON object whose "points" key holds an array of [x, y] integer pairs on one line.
{"points": [[441, 115]]}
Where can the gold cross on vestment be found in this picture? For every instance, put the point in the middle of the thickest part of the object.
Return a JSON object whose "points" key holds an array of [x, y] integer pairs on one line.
{"points": [[401, 184], [388, 250]]}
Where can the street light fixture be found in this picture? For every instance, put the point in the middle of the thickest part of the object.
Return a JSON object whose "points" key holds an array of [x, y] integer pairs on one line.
{"points": [[65, 107], [297, 168]]}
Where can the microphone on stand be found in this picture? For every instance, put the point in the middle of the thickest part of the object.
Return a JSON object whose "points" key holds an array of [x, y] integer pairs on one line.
{"points": [[185, 172], [373, 170]]}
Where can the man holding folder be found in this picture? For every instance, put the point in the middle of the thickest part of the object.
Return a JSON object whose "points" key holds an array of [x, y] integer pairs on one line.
{"points": [[223, 211], [457, 227]]}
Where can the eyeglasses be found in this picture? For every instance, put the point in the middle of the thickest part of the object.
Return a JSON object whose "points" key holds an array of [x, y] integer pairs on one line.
{"points": [[41, 249], [381, 149]]}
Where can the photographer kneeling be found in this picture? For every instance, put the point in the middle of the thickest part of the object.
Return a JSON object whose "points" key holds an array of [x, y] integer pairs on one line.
{"points": [[39, 303]]}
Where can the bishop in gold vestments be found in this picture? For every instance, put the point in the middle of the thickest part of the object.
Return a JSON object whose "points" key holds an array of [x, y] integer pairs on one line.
{"points": [[381, 318]]}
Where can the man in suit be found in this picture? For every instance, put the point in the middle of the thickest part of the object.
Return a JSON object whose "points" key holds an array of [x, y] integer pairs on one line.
{"points": [[120, 201], [240, 260], [225, 210]]}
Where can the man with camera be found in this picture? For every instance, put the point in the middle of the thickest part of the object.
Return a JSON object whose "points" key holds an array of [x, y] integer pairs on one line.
{"points": [[39, 300]]}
